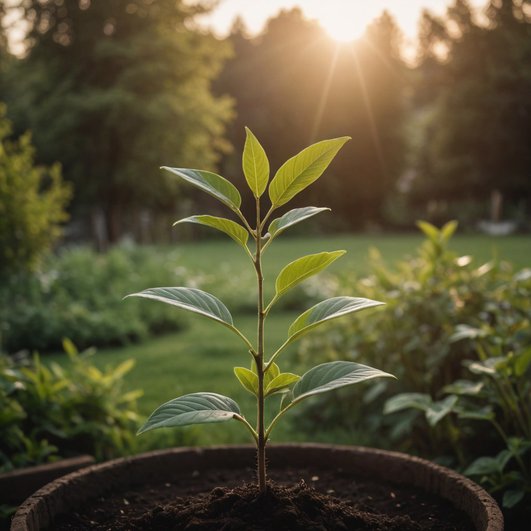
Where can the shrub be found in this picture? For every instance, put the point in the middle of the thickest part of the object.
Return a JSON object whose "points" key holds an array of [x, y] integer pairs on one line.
{"points": [[458, 335], [78, 295], [488, 414], [32, 203], [48, 412]]}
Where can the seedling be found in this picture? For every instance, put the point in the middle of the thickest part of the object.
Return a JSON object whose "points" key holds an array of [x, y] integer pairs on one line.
{"points": [[264, 377]]}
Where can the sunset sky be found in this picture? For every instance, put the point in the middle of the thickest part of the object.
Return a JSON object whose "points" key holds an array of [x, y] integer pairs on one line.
{"points": [[343, 19]]}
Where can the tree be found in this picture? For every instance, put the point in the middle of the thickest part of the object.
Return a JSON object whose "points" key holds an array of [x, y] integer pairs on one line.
{"points": [[4, 53], [370, 102], [33, 200], [293, 85], [115, 89], [476, 140]]}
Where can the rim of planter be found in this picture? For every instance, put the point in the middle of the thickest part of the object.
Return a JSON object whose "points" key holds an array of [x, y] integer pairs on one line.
{"points": [[70, 491]]}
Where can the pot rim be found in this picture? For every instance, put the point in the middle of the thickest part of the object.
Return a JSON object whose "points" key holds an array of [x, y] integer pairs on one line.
{"points": [[395, 467]]}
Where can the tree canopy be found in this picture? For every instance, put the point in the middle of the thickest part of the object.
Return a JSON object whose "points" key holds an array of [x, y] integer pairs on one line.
{"points": [[477, 135], [115, 89], [293, 85]]}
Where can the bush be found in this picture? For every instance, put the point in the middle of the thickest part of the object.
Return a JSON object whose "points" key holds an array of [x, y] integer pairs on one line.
{"points": [[488, 414], [457, 337], [51, 412], [32, 203], [79, 295]]}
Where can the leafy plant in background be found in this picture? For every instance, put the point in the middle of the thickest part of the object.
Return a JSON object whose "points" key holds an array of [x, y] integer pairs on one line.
{"points": [[49, 412], [459, 337], [76, 295], [497, 392], [33, 202], [264, 377]]}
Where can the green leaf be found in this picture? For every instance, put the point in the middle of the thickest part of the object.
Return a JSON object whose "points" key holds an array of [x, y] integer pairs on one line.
{"points": [[255, 164], [518, 445], [512, 497], [195, 408], [403, 401], [464, 387], [248, 379], [448, 230], [191, 299], [303, 268], [279, 225], [287, 399], [522, 362], [303, 169], [229, 227], [438, 410], [490, 366], [281, 382], [483, 466], [434, 411], [327, 310], [329, 376], [272, 372], [211, 183], [464, 331], [431, 231], [484, 413]]}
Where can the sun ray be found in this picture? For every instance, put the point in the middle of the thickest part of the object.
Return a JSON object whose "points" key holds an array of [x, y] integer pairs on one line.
{"points": [[324, 96], [368, 108]]}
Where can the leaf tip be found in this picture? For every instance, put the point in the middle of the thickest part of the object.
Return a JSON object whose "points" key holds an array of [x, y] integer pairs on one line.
{"points": [[141, 430]]}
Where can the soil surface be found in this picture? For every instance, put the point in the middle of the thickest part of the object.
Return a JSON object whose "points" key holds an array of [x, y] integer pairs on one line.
{"points": [[295, 500]]}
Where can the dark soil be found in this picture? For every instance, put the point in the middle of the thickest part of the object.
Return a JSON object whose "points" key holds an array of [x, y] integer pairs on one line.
{"points": [[295, 500]]}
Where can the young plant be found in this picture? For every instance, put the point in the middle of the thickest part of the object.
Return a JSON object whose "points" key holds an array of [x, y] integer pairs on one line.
{"points": [[264, 378]]}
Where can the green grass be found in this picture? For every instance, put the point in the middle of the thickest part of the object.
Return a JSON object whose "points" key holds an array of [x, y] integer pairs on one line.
{"points": [[201, 358], [202, 255]]}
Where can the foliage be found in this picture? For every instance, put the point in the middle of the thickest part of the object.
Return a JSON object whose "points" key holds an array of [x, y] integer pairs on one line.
{"points": [[264, 378], [32, 203], [497, 391], [474, 141], [307, 87], [53, 412], [100, 82], [459, 337], [77, 295], [4, 54]]}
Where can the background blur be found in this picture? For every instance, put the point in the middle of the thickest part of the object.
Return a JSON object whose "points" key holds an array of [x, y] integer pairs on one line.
{"points": [[440, 116]]}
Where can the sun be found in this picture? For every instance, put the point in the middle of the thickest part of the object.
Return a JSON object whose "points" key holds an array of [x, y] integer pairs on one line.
{"points": [[347, 24]]}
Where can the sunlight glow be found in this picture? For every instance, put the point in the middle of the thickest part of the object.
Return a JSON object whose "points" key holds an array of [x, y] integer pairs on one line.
{"points": [[347, 24], [324, 97]]}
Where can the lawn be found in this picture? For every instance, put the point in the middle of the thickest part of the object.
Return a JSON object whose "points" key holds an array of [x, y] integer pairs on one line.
{"points": [[200, 256], [201, 358]]}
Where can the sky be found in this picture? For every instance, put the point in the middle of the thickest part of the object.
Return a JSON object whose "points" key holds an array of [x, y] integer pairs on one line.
{"points": [[342, 19]]}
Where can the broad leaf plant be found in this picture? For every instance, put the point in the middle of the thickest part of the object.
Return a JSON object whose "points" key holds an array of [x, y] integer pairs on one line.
{"points": [[264, 377]]}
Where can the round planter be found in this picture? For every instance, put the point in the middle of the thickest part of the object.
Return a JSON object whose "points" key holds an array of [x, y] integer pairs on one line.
{"points": [[17, 485], [68, 493]]}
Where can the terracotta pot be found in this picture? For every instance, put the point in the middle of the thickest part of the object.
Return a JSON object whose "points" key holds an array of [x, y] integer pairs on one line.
{"points": [[69, 492]]}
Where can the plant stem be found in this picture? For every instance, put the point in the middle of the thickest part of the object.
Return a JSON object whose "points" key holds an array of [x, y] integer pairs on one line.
{"points": [[260, 428]]}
